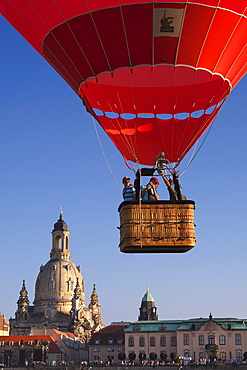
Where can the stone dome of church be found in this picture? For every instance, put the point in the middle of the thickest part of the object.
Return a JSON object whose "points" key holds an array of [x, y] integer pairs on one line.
{"points": [[59, 301], [58, 278]]}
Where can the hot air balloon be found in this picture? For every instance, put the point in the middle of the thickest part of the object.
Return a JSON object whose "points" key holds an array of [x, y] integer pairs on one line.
{"points": [[154, 74]]}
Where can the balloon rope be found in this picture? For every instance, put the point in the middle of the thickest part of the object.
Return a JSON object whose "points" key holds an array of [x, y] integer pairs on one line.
{"points": [[102, 150], [140, 204]]}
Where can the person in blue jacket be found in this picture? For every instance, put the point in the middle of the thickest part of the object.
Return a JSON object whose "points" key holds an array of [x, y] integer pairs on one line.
{"points": [[129, 191]]}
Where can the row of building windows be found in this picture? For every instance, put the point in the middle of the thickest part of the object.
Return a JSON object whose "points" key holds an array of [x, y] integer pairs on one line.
{"points": [[110, 341], [222, 355], [37, 342], [201, 340], [211, 339], [152, 341]]}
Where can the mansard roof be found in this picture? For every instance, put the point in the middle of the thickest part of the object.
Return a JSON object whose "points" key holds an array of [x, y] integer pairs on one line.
{"points": [[26, 339], [112, 331], [190, 324]]}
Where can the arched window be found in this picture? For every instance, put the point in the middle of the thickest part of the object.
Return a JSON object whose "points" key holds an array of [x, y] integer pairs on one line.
{"points": [[58, 242], [131, 342], [152, 341], [51, 285], [141, 342], [201, 340], [238, 340], [186, 340], [211, 339], [222, 340], [70, 285], [173, 341], [186, 353], [67, 242], [162, 341]]}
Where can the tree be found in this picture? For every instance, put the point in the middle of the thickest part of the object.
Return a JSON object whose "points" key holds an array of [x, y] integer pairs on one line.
{"points": [[132, 356], [121, 356], [245, 356], [153, 356], [173, 356], [142, 356], [163, 355]]}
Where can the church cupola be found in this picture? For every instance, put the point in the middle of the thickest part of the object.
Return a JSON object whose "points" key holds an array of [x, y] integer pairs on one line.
{"points": [[148, 309], [23, 302], [60, 240], [94, 296]]}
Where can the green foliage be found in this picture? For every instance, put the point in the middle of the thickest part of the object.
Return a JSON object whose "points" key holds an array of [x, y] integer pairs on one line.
{"points": [[132, 356], [153, 356], [173, 356], [121, 356], [142, 356], [163, 355]]}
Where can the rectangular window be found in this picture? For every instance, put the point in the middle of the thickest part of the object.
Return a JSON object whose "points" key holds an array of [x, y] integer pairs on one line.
{"points": [[223, 356], [239, 356], [162, 341], [222, 340], [173, 341], [131, 342], [201, 340], [186, 339], [238, 339]]}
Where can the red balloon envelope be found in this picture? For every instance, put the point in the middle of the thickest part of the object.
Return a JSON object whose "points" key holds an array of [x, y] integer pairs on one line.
{"points": [[153, 74]]}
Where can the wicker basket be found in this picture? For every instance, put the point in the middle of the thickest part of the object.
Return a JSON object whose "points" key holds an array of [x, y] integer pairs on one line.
{"points": [[157, 227]]}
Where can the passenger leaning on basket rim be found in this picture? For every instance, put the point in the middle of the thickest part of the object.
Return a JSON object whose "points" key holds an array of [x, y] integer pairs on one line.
{"points": [[128, 190], [149, 192]]}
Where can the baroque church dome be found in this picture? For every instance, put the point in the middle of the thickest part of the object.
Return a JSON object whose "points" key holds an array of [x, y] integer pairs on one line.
{"points": [[57, 279], [59, 295]]}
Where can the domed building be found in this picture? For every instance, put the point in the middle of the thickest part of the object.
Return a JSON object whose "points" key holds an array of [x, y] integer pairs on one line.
{"points": [[59, 301]]}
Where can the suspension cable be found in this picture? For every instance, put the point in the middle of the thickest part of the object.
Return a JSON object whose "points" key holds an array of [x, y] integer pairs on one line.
{"points": [[102, 150], [200, 147]]}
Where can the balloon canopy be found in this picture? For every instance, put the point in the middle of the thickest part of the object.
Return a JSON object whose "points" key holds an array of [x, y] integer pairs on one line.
{"points": [[153, 73]]}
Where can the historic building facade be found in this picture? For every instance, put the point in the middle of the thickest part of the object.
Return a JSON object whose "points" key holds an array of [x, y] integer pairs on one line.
{"points": [[59, 295], [201, 339], [107, 344], [55, 347], [4, 326]]}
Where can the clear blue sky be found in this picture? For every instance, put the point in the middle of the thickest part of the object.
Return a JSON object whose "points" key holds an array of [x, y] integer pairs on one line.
{"points": [[50, 157]]}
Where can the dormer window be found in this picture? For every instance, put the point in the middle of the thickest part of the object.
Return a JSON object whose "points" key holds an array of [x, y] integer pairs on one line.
{"points": [[110, 341], [29, 342], [97, 340], [1, 343], [11, 343]]}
